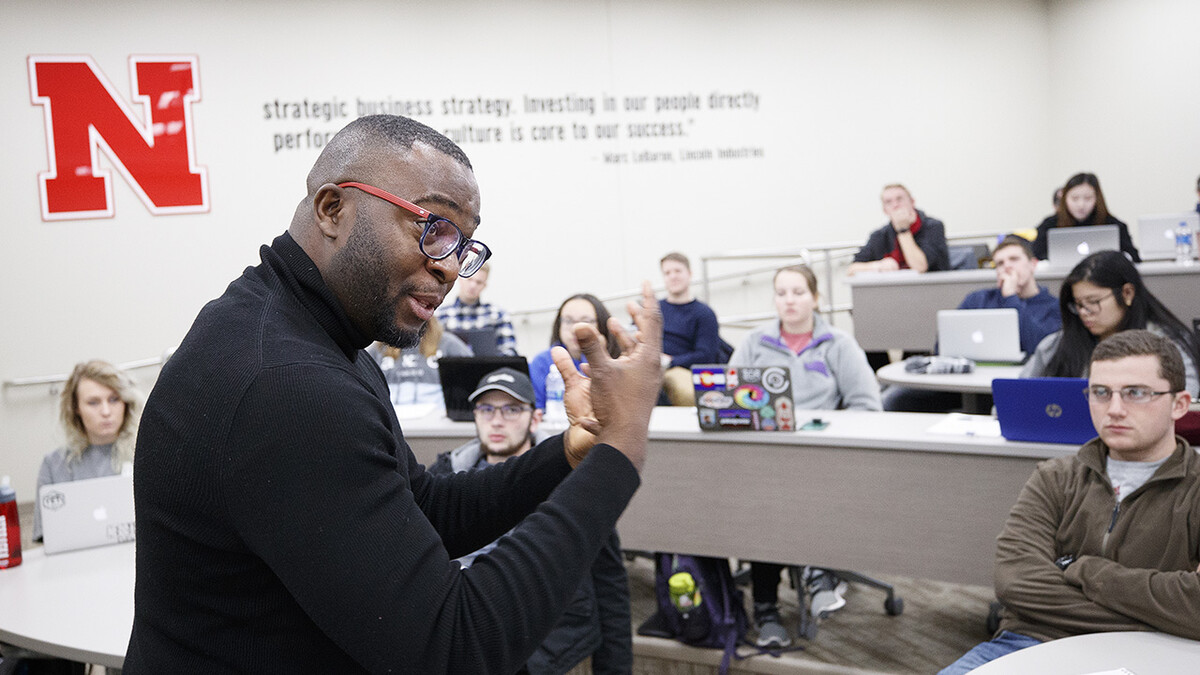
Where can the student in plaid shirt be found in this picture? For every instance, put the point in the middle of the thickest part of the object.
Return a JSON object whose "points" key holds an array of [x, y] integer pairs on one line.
{"points": [[469, 314]]}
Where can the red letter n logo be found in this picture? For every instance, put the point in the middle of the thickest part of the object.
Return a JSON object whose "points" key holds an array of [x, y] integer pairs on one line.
{"points": [[84, 115]]}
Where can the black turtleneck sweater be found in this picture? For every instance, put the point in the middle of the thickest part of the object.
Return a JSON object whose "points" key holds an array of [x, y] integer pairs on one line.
{"points": [[285, 526]]}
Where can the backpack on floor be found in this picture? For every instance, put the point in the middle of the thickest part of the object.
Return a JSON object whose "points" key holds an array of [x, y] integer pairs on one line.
{"points": [[716, 618]]}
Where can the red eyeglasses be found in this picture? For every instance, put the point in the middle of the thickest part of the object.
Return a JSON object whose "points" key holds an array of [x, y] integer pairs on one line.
{"points": [[440, 237]]}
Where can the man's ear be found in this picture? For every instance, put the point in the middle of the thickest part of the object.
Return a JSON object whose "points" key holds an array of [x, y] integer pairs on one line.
{"points": [[333, 214]]}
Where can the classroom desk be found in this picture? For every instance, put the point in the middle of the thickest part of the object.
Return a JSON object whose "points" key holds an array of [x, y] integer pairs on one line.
{"points": [[873, 492], [1140, 653], [898, 310], [971, 385], [76, 605]]}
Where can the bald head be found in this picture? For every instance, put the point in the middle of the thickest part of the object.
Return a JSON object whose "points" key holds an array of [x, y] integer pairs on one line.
{"points": [[356, 150]]}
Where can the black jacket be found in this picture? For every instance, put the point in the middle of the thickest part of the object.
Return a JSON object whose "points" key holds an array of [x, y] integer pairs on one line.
{"points": [[597, 620], [930, 238], [285, 526]]}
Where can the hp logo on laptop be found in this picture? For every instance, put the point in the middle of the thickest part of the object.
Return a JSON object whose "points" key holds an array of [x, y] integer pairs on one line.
{"points": [[1054, 410]]}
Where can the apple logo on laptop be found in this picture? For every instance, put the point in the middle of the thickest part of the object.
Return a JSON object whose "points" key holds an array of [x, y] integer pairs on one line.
{"points": [[1083, 248], [101, 513], [977, 337]]}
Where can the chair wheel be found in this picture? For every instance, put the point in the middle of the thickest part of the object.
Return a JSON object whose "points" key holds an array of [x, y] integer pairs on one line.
{"points": [[893, 606]]}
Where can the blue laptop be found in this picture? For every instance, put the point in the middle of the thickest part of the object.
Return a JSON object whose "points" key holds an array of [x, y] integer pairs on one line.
{"points": [[1043, 410]]}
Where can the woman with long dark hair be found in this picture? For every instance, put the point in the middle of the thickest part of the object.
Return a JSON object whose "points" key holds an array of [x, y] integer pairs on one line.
{"points": [[1082, 204], [1104, 294], [579, 308]]}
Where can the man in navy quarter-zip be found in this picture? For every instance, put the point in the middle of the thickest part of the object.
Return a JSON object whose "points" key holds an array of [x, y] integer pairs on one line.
{"points": [[1107, 539]]}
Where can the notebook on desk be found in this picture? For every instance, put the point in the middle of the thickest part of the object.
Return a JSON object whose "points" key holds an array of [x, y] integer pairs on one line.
{"points": [[1156, 234], [1068, 245], [87, 513], [987, 335], [460, 375], [1043, 410], [735, 398]]}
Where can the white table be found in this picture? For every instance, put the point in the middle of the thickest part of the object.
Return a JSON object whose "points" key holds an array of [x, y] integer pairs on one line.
{"points": [[1140, 653], [76, 605], [898, 310], [971, 385], [874, 491]]}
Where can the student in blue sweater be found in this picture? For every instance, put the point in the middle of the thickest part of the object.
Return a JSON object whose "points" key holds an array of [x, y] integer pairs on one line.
{"points": [[1016, 287], [690, 331]]}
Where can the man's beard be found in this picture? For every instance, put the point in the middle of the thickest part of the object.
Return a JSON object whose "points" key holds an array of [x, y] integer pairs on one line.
{"points": [[363, 269], [508, 450]]}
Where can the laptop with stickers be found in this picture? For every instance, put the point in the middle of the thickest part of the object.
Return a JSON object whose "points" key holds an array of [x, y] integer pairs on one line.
{"points": [[736, 398], [87, 513]]}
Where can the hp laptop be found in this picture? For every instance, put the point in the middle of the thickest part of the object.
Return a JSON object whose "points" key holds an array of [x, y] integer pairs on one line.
{"points": [[987, 335], [1069, 245], [461, 374], [87, 513], [1043, 410], [1156, 234], [733, 398]]}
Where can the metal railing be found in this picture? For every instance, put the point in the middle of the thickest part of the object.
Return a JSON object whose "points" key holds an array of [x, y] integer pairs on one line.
{"points": [[829, 254]]}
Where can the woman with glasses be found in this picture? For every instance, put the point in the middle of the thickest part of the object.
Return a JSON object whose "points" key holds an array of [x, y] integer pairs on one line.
{"points": [[1082, 204], [829, 372], [99, 409], [412, 374], [579, 308], [1103, 295]]}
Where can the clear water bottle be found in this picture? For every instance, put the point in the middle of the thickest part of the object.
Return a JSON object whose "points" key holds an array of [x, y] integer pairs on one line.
{"points": [[10, 526], [556, 411], [1185, 245]]}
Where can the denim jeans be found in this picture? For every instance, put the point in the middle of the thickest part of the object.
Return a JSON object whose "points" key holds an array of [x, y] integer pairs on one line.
{"points": [[1004, 643]]}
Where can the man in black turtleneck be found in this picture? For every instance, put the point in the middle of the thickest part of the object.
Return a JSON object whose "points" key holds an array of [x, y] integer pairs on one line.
{"points": [[283, 523]]}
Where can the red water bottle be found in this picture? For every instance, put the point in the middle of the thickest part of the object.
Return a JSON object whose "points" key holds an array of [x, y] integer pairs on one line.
{"points": [[10, 526]]}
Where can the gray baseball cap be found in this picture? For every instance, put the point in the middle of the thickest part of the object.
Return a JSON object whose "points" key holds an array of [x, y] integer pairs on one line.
{"points": [[510, 381]]}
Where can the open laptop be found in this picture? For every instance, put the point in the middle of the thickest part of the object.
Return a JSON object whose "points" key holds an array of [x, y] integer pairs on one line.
{"points": [[482, 341], [1156, 234], [986, 335], [1043, 410], [1068, 245], [735, 398], [87, 513], [461, 374]]}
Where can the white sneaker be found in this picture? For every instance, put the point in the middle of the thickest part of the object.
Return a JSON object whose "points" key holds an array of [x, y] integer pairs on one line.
{"points": [[826, 591]]}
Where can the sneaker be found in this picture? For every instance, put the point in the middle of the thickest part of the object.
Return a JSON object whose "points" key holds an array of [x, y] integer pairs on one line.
{"points": [[771, 633], [826, 591]]}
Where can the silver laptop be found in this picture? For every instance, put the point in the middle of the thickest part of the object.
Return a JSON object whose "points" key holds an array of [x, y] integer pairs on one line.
{"points": [[1069, 245], [989, 335], [87, 513], [1156, 234]]}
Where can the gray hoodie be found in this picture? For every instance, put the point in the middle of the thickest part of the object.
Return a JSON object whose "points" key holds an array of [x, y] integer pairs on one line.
{"points": [[831, 373]]}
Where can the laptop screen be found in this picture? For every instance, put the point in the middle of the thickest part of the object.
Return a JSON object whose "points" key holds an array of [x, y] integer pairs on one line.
{"points": [[461, 374]]}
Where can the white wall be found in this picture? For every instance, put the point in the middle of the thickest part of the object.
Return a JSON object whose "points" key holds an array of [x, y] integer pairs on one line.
{"points": [[973, 105]]}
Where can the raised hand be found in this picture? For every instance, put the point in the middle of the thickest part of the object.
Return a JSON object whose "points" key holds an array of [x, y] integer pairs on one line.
{"points": [[614, 405]]}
